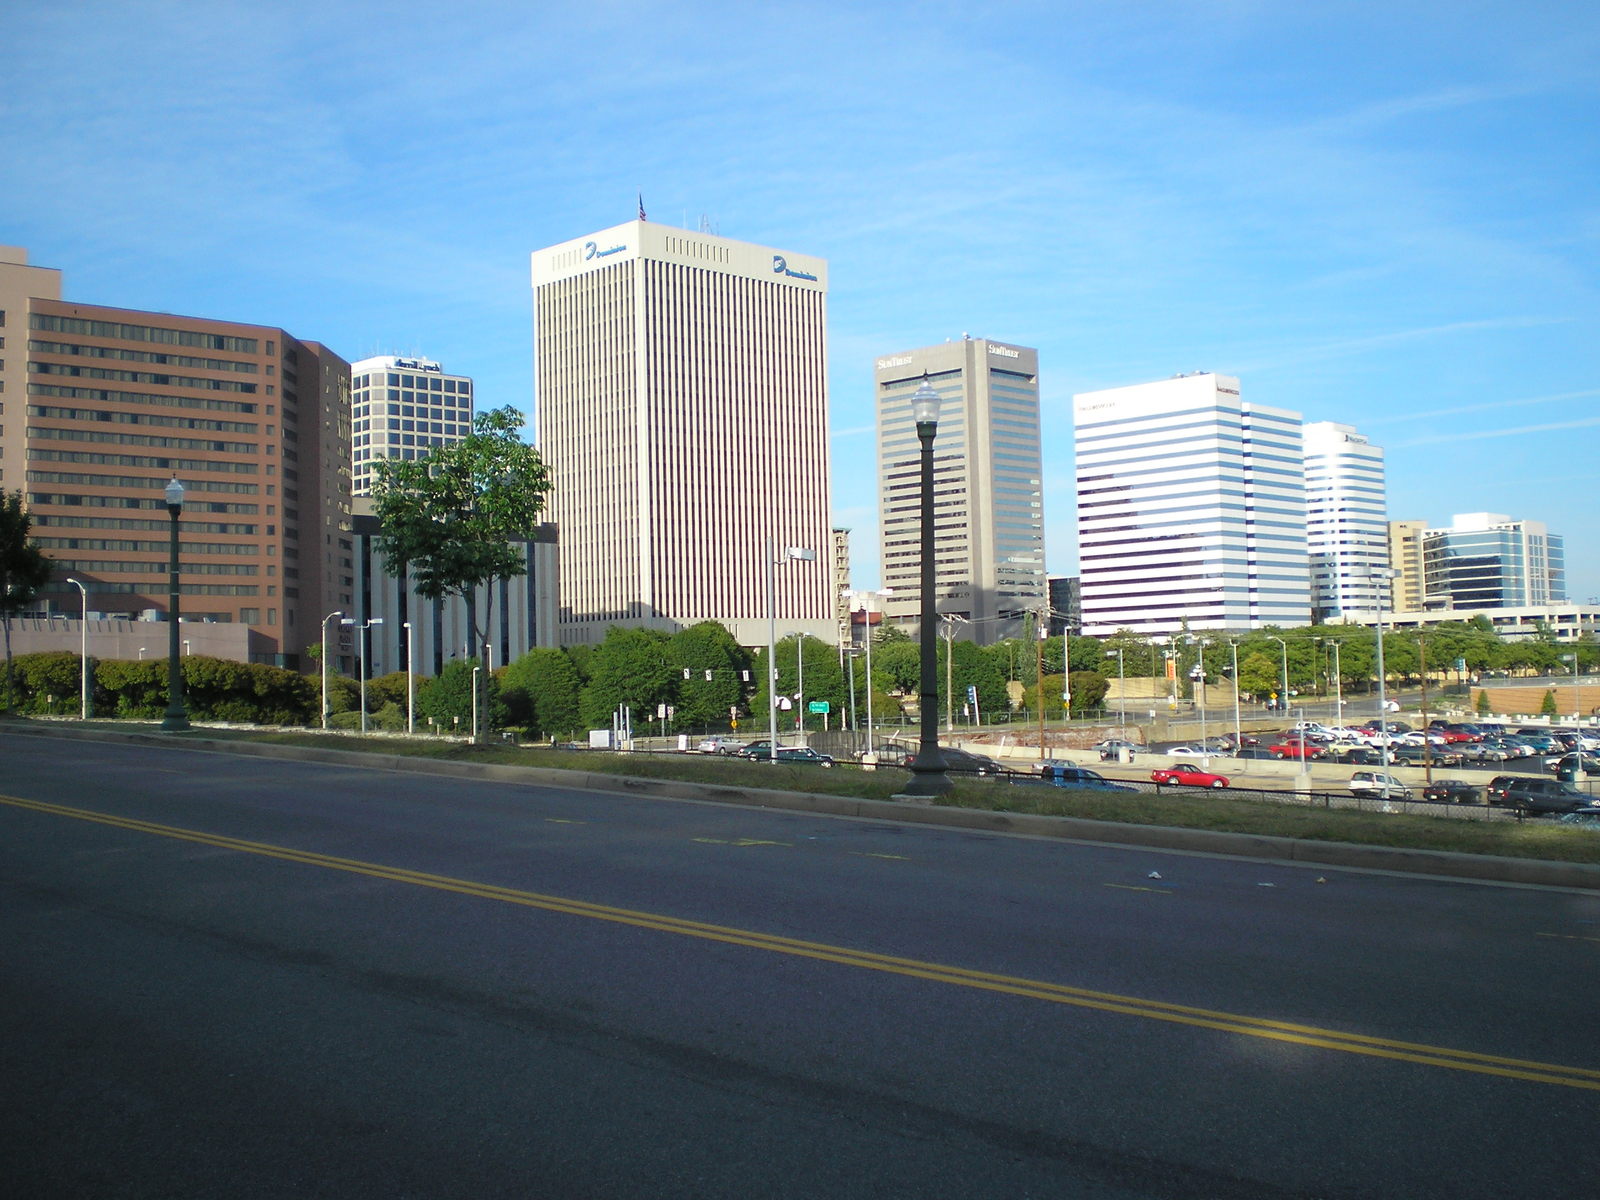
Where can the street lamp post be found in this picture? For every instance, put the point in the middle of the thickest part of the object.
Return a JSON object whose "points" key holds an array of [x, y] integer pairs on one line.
{"points": [[475, 671], [1383, 693], [1238, 727], [1283, 694], [83, 644], [335, 613], [1122, 692], [790, 553], [361, 658], [177, 718], [928, 776], [1577, 709], [411, 677], [1338, 685], [1197, 676]]}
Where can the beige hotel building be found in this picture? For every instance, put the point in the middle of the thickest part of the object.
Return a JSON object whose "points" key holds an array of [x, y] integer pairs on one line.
{"points": [[682, 408]]}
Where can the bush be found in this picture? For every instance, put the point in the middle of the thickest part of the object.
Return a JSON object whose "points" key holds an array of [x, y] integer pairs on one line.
{"points": [[448, 700]]}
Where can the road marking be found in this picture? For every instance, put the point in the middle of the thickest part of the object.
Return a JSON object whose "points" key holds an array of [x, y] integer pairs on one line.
{"points": [[869, 854], [1130, 888], [740, 842], [564, 821], [1421, 1054], [1568, 937]]}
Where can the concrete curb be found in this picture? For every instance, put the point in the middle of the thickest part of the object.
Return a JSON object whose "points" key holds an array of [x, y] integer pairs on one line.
{"points": [[1476, 867]]}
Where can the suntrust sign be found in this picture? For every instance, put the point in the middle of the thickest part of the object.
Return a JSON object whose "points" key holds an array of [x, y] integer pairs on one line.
{"points": [[1004, 351], [899, 360]]}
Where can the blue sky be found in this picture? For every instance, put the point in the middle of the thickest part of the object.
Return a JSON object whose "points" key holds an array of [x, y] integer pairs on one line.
{"points": [[1383, 215]]}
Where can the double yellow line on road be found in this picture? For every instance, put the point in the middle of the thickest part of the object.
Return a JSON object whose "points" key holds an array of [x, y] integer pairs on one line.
{"points": [[1055, 993]]}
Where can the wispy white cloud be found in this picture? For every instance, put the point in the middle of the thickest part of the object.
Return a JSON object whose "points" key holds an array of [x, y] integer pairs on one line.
{"points": [[1459, 409], [1518, 431]]}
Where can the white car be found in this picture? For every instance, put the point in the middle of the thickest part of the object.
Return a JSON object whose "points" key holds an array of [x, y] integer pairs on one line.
{"points": [[1190, 752], [1379, 784]]}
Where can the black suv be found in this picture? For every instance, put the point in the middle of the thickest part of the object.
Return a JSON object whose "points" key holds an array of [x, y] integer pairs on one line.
{"points": [[1527, 795]]}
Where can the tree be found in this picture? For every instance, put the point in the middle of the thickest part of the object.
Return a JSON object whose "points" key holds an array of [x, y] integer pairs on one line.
{"points": [[712, 668], [24, 569], [451, 516], [541, 692], [628, 668], [1483, 703], [1547, 707]]}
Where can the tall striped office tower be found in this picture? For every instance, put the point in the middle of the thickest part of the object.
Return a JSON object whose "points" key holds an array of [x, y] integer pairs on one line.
{"points": [[1347, 527], [989, 519], [1191, 509], [682, 407]]}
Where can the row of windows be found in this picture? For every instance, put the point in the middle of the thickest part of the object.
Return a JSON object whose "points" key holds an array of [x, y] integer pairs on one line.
{"points": [[73, 500], [135, 567], [138, 439], [425, 383], [174, 465], [247, 549], [143, 481], [59, 521], [150, 356], [193, 382], [146, 333], [111, 417], [109, 396]]}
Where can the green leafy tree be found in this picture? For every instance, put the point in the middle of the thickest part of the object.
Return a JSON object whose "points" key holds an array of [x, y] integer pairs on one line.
{"points": [[1547, 706], [24, 570], [541, 691], [453, 514], [1483, 704], [628, 668], [447, 700], [712, 668]]}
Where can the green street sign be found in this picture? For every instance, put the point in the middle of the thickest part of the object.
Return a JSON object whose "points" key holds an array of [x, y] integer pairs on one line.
{"points": [[817, 706]]}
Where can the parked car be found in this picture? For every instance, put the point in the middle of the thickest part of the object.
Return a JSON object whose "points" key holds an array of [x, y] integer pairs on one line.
{"points": [[963, 762], [1491, 750], [1532, 796], [803, 756], [1586, 818], [1113, 748], [1369, 784], [761, 749], [1452, 791], [1189, 752], [1582, 762], [719, 744], [890, 754], [1294, 748], [1183, 773], [1070, 775]]}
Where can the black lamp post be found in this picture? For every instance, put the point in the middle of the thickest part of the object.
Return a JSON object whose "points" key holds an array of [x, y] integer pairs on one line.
{"points": [[177, 718], [928, 776]]}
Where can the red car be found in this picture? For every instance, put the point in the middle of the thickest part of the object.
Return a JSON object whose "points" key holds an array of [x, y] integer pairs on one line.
{"points": [[1188, 776], [1293, 748]]}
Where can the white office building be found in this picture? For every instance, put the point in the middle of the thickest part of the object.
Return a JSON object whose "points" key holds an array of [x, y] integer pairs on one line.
{"points": [[1191, 509], [399, 408], [682, 408], [1347, 530], [988, 509]]}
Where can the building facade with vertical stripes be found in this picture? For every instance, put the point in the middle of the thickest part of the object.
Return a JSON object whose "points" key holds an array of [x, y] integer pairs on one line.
{"points": [[682, 409], [1191, 509], [988, 511], [1347, 523]]}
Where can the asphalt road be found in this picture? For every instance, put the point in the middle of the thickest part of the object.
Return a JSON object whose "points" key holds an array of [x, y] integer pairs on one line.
{"points": [[237, 977]]}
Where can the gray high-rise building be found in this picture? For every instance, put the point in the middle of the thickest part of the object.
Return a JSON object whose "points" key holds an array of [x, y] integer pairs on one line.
{"points": [[682, 409], [988, 501]]}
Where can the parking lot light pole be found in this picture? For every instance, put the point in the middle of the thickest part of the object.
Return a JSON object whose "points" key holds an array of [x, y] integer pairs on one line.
{"points": [[1383, 693], [1122, 692], [361, 658], [411, 677], [83, 645], [795, 554], [1238, 728], [335, 613], [1577, 708], [1283, 695], [177, 718]]}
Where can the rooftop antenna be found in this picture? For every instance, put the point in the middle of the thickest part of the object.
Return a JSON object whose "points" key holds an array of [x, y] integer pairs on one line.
{"points": [[708, 226]]}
